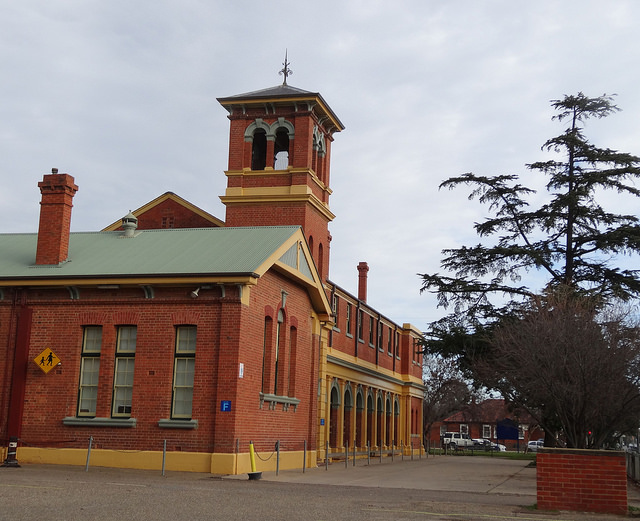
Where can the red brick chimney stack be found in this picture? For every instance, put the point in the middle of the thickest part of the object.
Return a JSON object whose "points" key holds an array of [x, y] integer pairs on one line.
{"points": [[363, 268], [55, 217]]}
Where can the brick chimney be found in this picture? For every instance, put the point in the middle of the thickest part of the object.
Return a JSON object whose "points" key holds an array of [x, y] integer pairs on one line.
{"points": [[55, 217], [363, 268]]}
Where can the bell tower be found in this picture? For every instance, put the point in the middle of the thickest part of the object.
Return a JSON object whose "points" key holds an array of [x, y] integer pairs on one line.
{"points": [[279, 155]]}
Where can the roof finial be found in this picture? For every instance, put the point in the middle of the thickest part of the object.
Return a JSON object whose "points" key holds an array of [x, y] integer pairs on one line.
{"points": [[286, 72]]}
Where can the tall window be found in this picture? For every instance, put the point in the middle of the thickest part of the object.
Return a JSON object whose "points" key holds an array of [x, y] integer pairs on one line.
{"points": [[348, 326], [397, 341], [334, 308], [183, 371], [390, 342], [123, 372], [360, 325], [266, 350], [371, 324], [278, 340], [89, 369]]}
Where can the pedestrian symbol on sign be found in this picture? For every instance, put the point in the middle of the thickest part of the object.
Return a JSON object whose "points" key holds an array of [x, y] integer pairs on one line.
{"points": [[46, 360]]}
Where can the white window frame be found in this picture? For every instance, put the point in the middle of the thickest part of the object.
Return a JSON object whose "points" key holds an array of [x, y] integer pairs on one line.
{"points": [[89, 371], [123, 371], [183, 373]]}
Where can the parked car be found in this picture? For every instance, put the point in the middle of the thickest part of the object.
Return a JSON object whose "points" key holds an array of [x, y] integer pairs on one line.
{"points": [[456, 439], [534, 445], [488, 445]]}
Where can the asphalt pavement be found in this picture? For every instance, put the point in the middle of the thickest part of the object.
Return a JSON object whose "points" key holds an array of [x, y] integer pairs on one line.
{"points": [[440, 488]]}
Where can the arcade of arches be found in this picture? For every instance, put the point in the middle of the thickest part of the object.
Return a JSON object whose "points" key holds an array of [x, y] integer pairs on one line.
{"points": [[369, 416]]}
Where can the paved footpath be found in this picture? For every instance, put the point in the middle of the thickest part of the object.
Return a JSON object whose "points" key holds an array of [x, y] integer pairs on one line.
{"points": [[443, 488]]}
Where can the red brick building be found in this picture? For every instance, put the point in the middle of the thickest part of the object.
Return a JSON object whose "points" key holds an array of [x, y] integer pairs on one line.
{"points": [[172, 328], [481, 419]]}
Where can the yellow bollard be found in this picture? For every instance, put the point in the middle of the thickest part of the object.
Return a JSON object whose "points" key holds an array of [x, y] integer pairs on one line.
{"points": [[252, 455], [253, 474]]}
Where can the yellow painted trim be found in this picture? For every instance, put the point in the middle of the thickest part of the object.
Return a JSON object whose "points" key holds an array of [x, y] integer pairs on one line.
{"points": [[363, 364], [314, 286], [131, 281], [225, 464], [270, 172]]}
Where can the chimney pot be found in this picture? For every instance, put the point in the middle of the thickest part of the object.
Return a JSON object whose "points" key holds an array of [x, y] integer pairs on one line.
{"points": [[363, 268], [55, 217]]}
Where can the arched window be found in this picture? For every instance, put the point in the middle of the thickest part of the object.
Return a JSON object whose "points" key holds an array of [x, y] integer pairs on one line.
{"points": [[259, 150], [333, 420], [380, 422], [370, 419], [358, 438], [347, 413], [320, 260], [281, 149]]}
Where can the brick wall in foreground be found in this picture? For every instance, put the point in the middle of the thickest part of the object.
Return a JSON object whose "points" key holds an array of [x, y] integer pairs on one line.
{"points": [[582, 480]]}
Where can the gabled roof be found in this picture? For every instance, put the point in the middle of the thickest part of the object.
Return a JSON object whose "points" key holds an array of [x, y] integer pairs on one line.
{"points": [[168, 196], [149, 252], [233, 255]]}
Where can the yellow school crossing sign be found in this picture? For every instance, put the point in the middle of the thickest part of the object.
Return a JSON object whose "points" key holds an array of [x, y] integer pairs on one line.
{"points": [[46, 360]]}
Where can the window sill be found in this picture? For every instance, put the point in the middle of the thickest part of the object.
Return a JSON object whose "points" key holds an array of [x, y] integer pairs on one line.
{"points": [[348, 335], [273, 400], [99, 422], [178, 424]]}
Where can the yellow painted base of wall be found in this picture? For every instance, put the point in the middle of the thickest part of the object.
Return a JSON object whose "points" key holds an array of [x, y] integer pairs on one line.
{"points": [[226, 464]]}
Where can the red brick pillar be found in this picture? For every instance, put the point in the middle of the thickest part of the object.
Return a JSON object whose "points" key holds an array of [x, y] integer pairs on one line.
{"points": [[582, 480]]}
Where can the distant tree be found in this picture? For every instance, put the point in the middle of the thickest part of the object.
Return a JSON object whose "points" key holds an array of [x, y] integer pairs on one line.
{"points": [[574, 369], [571, 238], [446, 392]]}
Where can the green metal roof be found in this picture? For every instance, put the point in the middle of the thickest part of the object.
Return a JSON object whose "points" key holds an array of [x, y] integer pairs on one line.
{"points": [[166, 252]]}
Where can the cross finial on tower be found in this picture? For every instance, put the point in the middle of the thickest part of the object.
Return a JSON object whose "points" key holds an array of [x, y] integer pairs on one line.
{"points": [[286, 72]]}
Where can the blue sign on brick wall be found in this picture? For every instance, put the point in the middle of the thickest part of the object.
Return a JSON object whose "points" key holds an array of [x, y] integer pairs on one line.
{"points": [[225, 405]]}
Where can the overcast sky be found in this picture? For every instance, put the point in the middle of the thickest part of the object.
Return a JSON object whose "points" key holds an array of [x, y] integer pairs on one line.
{"points": [[122, 96]]}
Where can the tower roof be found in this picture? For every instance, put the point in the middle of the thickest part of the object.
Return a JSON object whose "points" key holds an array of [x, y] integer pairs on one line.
{"points": [[282, 94]]}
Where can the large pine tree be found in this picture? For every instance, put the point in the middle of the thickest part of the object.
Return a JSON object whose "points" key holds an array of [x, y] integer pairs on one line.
{"points": [[572, 238]]}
